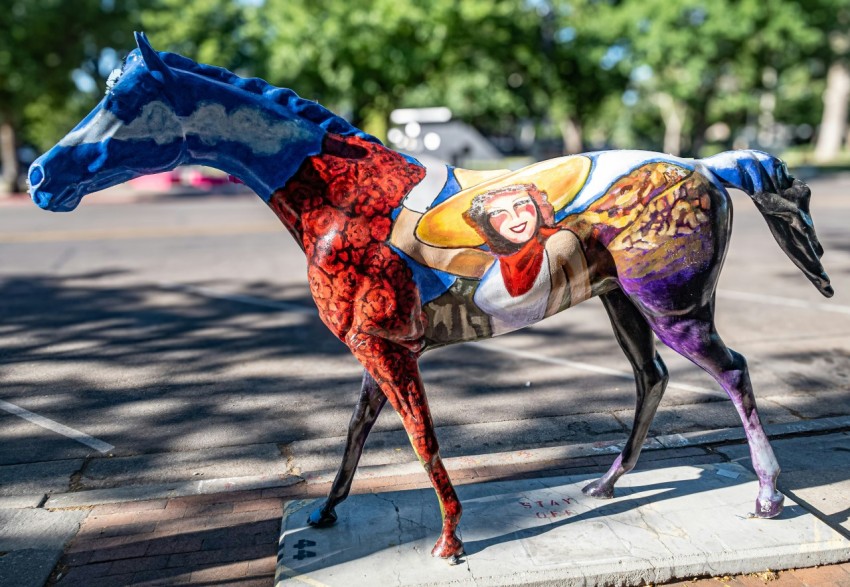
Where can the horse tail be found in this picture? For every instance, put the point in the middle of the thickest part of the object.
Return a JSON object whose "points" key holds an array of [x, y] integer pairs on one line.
{"points": [[783, 202]]}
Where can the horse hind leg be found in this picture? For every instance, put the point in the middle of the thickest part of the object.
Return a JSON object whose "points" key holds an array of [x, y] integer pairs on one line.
{"points": [[638, 343], [694, 336]]}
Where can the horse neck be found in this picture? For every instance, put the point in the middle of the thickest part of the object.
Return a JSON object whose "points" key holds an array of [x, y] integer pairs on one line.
{"points": [[249, 137], [351, 187]]}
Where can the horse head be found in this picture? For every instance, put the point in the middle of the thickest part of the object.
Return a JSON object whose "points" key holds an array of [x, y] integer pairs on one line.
{"points": [[165, 110], [133, 131]]}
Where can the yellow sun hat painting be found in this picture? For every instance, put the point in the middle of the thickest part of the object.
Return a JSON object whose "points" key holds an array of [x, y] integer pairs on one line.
{"points": [[561, 179]]}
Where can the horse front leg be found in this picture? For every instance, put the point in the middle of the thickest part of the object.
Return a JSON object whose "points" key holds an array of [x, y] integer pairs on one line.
{"points": [[365, 413], [396, 371]]}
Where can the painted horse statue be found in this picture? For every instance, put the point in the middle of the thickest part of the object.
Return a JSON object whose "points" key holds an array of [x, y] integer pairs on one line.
{"points": [[405, 257]]}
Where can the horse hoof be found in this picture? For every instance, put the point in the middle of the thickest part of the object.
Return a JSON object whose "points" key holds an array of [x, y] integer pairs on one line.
{"points": [[770, 508], [449, 548], [322, 518], [599, 490]]}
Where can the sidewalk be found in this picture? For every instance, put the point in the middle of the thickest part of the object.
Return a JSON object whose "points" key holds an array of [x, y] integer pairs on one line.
{"points": [[230, 538]]}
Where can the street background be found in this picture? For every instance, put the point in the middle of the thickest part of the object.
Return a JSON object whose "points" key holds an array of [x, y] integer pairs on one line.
{"points": [[180, 331], [161, 340]]}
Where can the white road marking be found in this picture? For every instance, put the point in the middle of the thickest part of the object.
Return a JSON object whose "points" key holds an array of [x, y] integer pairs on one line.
{"points": [[497, 348], [105, 447], [782, 301], [81, 437], [489, 346]]}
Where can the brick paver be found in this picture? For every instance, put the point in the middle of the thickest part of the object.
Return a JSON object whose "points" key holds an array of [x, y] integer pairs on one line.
{"points": [[224, 539], [830, 576]]}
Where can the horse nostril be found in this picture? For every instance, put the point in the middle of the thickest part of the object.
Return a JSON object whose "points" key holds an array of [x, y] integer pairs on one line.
{"points": [[36, 175]]}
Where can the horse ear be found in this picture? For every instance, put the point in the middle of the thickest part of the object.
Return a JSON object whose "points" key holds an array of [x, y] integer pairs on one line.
{"points": [[160, 71]]}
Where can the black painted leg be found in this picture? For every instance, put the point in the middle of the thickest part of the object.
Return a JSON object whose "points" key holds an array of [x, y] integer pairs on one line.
{"points": [[638, 343], [364, 416]]}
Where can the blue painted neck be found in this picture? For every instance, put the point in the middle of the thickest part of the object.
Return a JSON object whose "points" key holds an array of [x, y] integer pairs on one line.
{"points": [[254, 139]]}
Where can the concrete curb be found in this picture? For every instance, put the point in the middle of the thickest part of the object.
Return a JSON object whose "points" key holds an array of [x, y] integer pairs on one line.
{"points": [[20, 502], [527, 457], [591, 449]]}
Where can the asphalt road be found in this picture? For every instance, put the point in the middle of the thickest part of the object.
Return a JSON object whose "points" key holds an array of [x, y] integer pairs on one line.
{"points": [[175, 339]]}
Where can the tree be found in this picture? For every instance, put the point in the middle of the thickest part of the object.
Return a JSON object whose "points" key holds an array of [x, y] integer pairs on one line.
{"points": [[831, 18], [539, 60], [698, 61], [41, 43], [577, 75], [833, 124], [494, 64], [487, 68], [218, 32], [357, 57]]}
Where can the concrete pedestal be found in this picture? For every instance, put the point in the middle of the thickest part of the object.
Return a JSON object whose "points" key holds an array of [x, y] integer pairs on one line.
{"points": [[671, 523]]}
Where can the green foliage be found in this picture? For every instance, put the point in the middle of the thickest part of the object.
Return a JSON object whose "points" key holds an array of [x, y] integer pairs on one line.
{"points": [[359, 57], [492, 63], [220, 32], [602, 67], [715, 60], [480, 69], [43, 41], [47, 119]]}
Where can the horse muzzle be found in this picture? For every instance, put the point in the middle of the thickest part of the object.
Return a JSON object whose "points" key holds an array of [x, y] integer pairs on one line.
{"points": [[35, 179], [64, 200]]}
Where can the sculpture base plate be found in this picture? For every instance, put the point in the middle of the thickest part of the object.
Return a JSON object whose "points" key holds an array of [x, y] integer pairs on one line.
{"points": [[663, 524]]}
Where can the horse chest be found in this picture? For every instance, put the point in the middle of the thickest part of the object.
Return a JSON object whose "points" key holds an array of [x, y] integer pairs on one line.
{"points": [[358, 282]]}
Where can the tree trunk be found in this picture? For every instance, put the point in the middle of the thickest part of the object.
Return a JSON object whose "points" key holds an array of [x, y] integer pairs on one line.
{"points": [[571, 134], [8, 158], [834, 121], [699, 125], [674, 122]]}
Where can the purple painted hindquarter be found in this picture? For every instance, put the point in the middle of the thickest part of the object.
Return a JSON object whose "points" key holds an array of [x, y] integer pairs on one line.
{"points": [[661, 232]]}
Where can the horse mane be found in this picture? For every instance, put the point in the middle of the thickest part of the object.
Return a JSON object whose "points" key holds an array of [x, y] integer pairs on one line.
{"points": [[306, 109]]}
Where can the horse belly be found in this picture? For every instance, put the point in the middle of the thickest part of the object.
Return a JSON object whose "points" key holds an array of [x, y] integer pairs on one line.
{"points": [[454, 317]]}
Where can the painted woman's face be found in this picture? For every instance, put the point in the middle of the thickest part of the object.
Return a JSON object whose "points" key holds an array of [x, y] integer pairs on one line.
{"points": [[514, 216]]}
